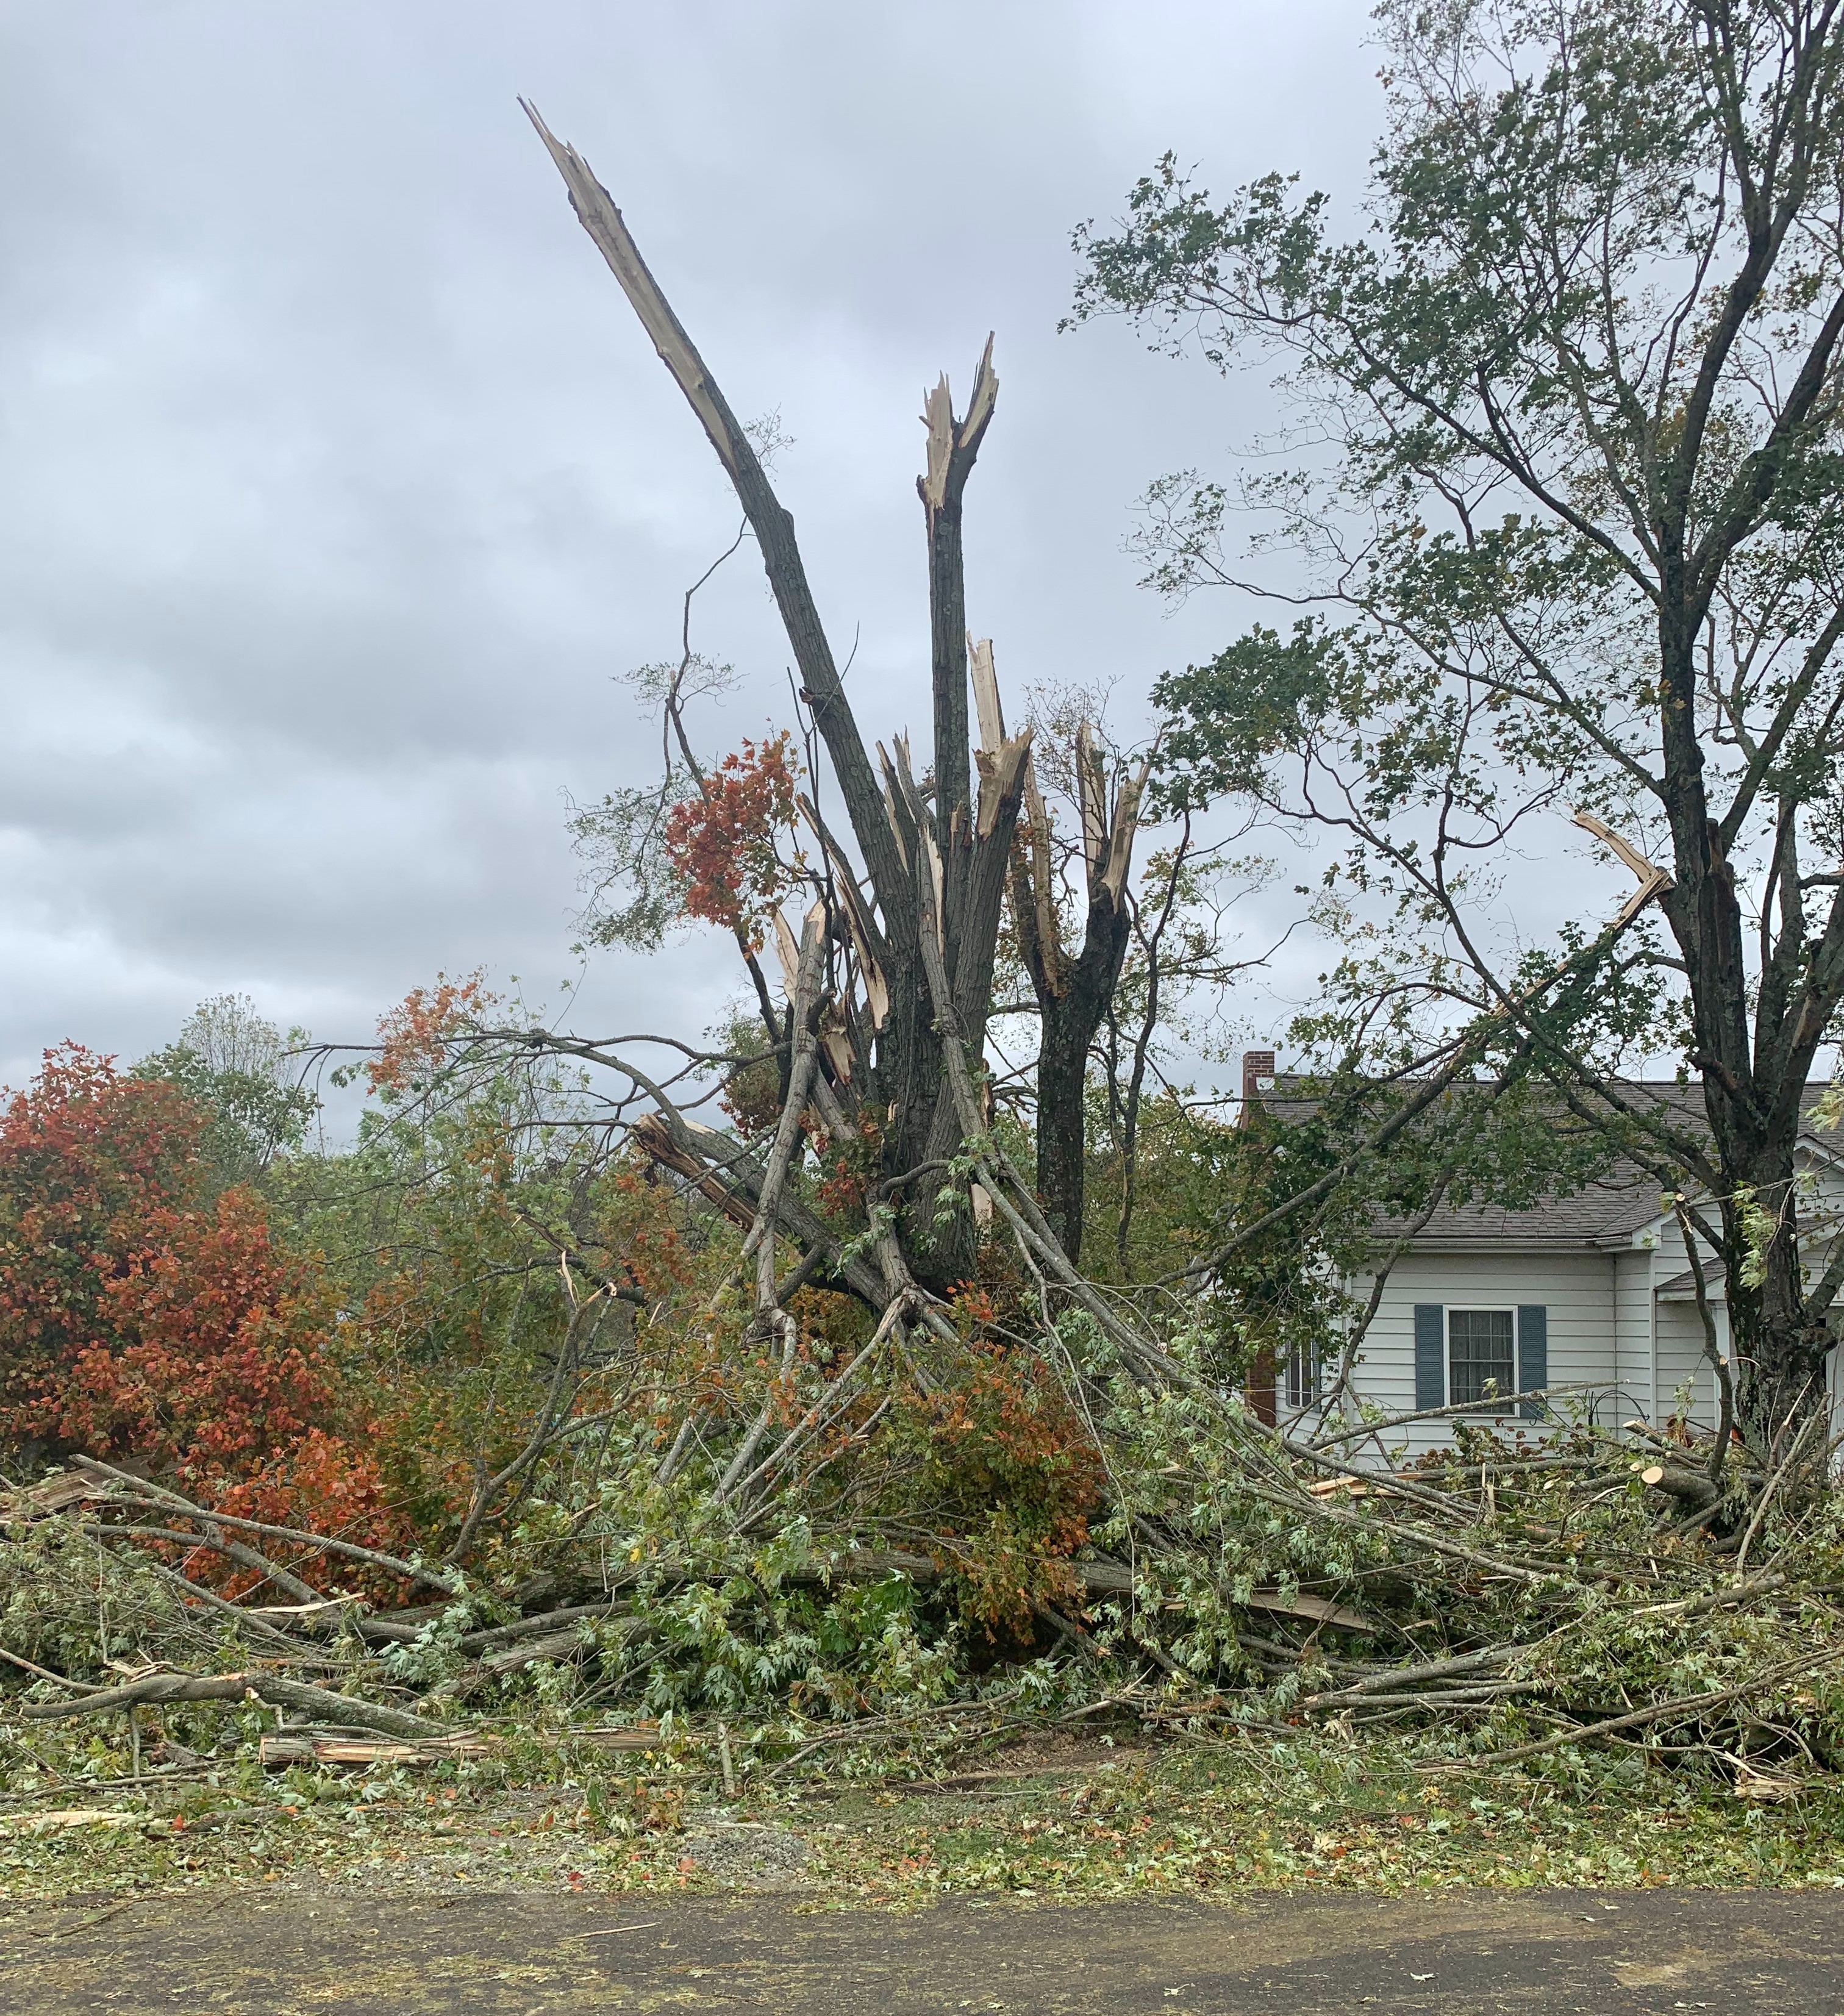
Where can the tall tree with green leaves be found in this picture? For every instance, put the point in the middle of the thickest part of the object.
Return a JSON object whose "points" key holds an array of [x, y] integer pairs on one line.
{"points": [[1568, 529], [233, 1064]]}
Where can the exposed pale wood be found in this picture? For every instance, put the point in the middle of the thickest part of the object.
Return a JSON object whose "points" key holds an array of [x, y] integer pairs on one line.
{"points": [[809, 967], [1001, 778], [654, 1139], [938, 417], [309, 1749], [787, 953], [932, 854], [623, 1739], [980, 404], [894, 811], [835, 1044], [1039, 927], [676, 1143], [858, 926], [1645, 871], [54, 1494], [987, 706], [1125, 826], [1091, 799]]}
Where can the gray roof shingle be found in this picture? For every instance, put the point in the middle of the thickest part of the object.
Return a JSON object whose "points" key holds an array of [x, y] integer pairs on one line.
{"points": [[1601, 1214]]}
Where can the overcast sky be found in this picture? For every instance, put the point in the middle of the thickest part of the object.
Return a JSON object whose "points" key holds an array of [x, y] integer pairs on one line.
{"points": [[338, 484]]}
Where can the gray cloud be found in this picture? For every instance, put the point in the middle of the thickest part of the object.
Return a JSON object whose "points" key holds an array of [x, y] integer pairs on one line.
{"points": [[336, 484]]}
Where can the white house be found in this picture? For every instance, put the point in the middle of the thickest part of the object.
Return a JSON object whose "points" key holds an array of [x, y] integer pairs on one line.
{"points": [[1593, 1290]]}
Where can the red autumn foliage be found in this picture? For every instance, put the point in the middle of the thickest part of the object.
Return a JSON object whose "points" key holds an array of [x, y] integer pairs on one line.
{"points": [[1010, 1472], [1005, 1433], [723, 841], [140, 1320], [85, 1155], [212, 1355], [416, 1038]]}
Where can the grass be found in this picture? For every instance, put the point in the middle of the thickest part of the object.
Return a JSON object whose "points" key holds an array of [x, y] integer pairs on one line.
{"points": [[1315, 1814]]}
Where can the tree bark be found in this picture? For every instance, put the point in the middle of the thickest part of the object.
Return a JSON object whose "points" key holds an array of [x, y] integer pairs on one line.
{"points": [[900, 1087], [1073, 993], [1069, 1020]]}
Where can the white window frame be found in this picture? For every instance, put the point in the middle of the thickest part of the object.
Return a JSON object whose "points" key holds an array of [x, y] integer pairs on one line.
{"points": [[1448, 1311], [1301, 1373]]}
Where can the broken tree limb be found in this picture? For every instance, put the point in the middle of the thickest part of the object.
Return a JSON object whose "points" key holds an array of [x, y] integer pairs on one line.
{"points": [[244, 1556], [803, 1010], [309, 1749], [824, 1408], [778, 1389], [1388, 1678], [953, 447], [771, 525], [1635, 1718], [297, 1695], [429, 1578], [733, 1183]]}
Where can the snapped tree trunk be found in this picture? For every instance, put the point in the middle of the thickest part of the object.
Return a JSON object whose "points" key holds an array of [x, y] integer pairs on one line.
{"points": [[1073, 991], [885, 1073], [1069, 1020]]}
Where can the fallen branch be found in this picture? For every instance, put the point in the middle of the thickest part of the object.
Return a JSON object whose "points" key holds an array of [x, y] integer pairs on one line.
{"points": [[170, 1501], [296, 1695], [356, 1750], [166, 1501], [1638, 1717]]}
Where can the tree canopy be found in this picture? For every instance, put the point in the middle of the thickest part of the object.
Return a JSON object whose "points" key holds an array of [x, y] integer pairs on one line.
{"points": [[1562, 532]]}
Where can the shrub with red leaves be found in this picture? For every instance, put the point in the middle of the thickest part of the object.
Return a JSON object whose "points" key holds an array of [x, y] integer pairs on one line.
{"points": [[140, 1320]]}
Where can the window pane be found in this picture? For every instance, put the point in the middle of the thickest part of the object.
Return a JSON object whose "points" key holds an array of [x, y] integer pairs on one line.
{"points": [[1481, 1353], [1302, 1378]]}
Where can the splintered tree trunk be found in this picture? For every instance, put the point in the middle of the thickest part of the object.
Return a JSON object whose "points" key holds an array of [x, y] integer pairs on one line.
{"points": [[1073, 991], [1069, 1020], [947, 864]]}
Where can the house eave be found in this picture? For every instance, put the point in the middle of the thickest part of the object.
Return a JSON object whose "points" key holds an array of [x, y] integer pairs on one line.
{"points": [[1483, 1245]]}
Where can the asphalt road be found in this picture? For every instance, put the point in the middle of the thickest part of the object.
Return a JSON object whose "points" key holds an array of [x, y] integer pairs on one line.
{"points": [[1477, 1954]]}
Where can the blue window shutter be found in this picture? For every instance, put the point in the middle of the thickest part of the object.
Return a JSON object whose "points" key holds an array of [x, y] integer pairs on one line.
{"points": [[1533, 1356], [1430, 1355]]}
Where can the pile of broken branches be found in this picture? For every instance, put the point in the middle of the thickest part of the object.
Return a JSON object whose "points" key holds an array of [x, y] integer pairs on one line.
{"points": [[1507, 1599]]}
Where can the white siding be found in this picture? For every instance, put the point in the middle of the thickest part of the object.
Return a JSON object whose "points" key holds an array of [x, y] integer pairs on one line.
{"points": [[1609, 1325], [1684, 1371], [1576, 1288], [1635, 1272]]}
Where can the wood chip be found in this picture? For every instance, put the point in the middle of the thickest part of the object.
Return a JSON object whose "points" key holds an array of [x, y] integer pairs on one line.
{"points": [[308, 1749]]}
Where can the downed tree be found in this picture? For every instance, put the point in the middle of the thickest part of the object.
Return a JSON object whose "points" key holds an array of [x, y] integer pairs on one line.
{"points": [[1499, 1603], [322, 1703]]}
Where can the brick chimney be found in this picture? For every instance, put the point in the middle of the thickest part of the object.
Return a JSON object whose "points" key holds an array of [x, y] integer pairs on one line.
{"points": [[1258, 1075]]}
